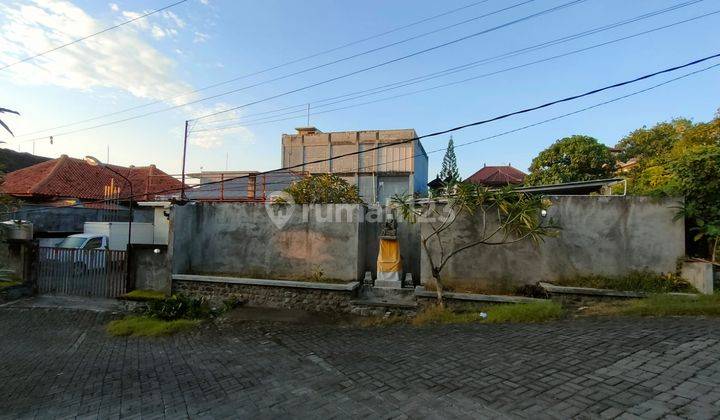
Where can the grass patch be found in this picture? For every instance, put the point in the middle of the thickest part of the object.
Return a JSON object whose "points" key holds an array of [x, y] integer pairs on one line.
{"points": [[541, 311], [144, 295], [142, 326], [8, 283], [661, 305], [638, 281]]}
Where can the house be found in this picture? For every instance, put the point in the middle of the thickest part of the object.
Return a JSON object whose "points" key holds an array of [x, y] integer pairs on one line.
{"points": [[70, 191], [399, 167], [497, 176], [239, 185]]}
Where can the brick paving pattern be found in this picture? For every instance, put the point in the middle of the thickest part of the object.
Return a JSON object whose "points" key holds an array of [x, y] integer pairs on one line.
{"points": [[61, 364]]}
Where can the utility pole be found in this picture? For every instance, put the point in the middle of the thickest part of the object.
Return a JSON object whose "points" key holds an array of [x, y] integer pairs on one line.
{"points": [[308, 116], [182, 187]]}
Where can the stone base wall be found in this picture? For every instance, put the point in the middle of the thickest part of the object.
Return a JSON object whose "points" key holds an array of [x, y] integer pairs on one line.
{"points": [[316, 300]]}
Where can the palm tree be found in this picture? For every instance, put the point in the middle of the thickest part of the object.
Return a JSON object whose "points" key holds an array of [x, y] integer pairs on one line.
{"points": [[2, 110]]}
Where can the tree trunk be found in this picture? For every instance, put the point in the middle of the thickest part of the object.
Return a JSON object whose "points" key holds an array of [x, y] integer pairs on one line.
{"points": [[439, 291]]}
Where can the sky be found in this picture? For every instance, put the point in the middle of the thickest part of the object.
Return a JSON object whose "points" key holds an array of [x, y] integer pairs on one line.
{"points": [[154, 64]]}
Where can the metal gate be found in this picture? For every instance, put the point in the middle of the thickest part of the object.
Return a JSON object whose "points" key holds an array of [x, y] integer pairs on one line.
{"points": [[82, 272]]}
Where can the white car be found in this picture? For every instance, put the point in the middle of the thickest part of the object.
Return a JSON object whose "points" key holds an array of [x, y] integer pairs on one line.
{"points": [[88, 256]]}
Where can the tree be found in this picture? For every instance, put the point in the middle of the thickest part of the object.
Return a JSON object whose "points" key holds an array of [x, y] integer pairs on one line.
{"points": [[449, 171], [652, 142], [680, 158], [3, 110], [506, 217], [323, 189], [697, 175], [574, 158]]}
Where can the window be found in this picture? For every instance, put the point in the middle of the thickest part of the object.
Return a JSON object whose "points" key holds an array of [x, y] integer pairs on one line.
{"points": [[71, 242], [93, 243]]}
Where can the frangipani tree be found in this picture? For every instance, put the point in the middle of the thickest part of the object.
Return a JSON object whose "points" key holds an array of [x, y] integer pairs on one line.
{"points": [[504, 217]]}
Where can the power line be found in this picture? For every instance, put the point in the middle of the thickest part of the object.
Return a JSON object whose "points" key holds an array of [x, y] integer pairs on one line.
{"points": [[268, 120], [486, 121], [416, 53], [405, 57], [265, 70], [455, 69], [525, 127], [92, 35]]}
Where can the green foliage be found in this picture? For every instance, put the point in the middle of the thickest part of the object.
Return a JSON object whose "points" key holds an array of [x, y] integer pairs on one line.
{"points": [[144, 295], [149, 327], [651, 142], [186, 307], [698, 180], [680, 158], [540, 311], [574, 158], [4, 284], [323, 189], [449, 171], [638, 281]]}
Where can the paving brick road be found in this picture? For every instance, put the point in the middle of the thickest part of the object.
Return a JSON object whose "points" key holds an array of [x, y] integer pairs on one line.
{"points": [[60, 364]]}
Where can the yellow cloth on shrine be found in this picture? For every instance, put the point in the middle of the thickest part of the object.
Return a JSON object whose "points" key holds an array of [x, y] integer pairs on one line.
{"points": [[389, 256]]}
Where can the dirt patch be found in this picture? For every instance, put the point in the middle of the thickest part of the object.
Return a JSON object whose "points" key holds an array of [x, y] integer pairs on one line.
{"points": [[246, 314]]}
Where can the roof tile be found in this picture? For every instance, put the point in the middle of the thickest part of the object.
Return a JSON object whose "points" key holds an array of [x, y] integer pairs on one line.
{"points": [[496, 176], [70, 177]]}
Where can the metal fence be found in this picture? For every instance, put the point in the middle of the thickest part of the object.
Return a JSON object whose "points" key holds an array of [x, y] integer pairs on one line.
{"points": [[82, 272]]}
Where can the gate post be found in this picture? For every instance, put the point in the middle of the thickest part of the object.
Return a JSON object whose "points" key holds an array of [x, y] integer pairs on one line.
{"points": [[30, 253], [129, 270]]}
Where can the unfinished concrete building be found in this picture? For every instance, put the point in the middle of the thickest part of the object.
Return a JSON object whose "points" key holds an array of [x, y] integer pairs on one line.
{"points": [[379, 174]]}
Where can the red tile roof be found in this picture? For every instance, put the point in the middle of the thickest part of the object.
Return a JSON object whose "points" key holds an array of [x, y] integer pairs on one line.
{"points": [[496, 176], [75, 178]]}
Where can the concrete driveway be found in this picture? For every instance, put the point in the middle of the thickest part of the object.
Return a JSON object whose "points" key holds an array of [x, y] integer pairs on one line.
{"points": [[59, 363]]}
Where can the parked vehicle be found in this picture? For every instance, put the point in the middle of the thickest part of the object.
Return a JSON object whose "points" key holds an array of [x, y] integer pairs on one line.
{"points": [[99, 245], [84, 241], [117, 233], [89, 255]]}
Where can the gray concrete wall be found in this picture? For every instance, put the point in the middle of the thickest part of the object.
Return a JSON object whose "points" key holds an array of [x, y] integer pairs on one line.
{"points": [[241, 239], [600, 236], [71, 219], [150, 270]]}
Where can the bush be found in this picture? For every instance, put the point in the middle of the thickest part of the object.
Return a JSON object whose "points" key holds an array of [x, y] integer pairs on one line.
{"points": [[148, 327], [638, 281], [323, 189], [180, 307], [185, 307]]}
